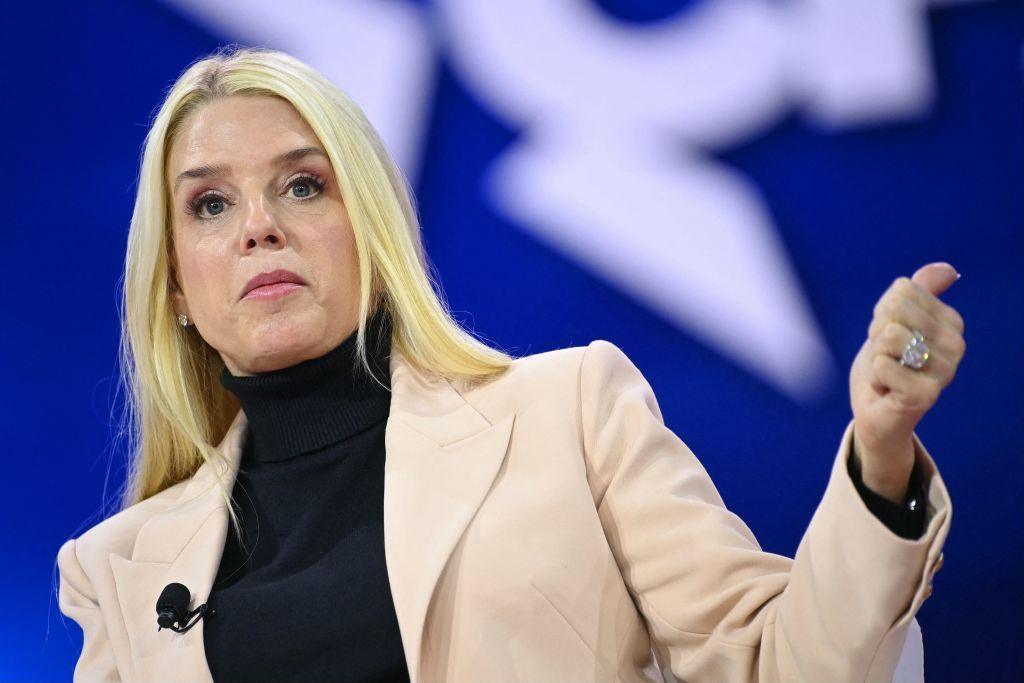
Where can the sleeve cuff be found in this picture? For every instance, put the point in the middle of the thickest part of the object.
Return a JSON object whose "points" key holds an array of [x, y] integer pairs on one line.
{"points": [[906, 520], [907, 564]]}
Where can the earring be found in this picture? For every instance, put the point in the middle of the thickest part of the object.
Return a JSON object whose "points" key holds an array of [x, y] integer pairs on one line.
{"points": [[183, 319]]}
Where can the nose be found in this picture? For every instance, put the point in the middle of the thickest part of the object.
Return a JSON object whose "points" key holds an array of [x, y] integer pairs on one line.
{"points": [[260, 227]]}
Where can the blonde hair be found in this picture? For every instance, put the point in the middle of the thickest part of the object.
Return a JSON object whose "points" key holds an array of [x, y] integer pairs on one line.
{"points": [[175, 407]]}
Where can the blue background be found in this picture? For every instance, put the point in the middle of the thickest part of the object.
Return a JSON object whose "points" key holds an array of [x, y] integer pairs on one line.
{"points": [[855, 210]]}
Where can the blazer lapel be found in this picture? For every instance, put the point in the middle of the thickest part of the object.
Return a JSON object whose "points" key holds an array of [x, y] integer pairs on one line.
{"points": [[441, 457], [184, 545]]}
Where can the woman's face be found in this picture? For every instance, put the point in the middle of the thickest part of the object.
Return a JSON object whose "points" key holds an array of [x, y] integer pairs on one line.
{"points": [[253, 192]]}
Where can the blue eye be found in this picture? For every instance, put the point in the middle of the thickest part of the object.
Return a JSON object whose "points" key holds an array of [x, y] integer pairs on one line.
{"points": [[305, 185], [215, 205]]}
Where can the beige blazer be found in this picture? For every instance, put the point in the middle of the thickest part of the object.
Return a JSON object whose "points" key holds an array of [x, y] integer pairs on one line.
{"points": [[546, 526]]}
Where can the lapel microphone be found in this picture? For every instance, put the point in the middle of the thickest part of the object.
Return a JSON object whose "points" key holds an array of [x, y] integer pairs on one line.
{"points": [[172, 609]]}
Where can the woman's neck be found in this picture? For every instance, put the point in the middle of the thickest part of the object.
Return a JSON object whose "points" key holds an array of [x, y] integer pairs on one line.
{"points": [[318, 402]]}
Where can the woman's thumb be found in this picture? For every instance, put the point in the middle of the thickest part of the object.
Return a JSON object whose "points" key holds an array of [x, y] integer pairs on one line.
{"points": [[935, 278]]}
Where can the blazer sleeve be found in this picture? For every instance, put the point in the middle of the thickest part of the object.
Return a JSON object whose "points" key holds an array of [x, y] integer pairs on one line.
{"points": [[77, 600], [718, 608]]}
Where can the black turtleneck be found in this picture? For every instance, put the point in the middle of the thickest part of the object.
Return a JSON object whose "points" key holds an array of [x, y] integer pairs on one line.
{"points": [[308, 598]]}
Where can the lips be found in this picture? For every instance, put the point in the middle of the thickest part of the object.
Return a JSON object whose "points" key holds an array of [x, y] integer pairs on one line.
{"points": [[271, 278]]}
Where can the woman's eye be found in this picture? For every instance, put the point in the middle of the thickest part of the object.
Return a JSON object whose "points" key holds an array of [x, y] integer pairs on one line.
{"points": [[209, 206], [306, 187], [212, 204]]}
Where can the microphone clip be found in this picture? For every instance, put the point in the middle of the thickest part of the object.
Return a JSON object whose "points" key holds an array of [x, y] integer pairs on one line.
{"points": [[172, 609]]}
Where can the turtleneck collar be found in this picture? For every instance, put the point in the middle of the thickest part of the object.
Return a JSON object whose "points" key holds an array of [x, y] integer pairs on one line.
{"points": [[317, 402]]}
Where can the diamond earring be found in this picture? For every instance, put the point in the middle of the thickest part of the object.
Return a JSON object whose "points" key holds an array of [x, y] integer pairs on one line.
{"points": [[183, 319]]}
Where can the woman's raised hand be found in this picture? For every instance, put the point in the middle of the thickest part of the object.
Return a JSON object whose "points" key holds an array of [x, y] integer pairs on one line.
{"points": [[888, 398]]}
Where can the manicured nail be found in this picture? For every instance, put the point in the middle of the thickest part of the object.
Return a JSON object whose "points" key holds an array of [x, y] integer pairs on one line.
{"points": [[951, 267]]}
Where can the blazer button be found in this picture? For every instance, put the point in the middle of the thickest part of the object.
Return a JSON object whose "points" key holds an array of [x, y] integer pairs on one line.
{"points": [[938, 562]]}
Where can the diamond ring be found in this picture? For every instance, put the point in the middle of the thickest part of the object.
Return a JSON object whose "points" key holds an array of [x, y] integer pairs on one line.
{"points": [[915, 353]]}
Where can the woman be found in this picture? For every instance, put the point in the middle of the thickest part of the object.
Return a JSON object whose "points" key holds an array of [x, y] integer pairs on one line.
{"points": [[409, 504]]}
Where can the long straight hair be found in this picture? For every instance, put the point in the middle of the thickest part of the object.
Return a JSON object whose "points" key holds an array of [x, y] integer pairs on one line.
{"points": [[175, 407]]}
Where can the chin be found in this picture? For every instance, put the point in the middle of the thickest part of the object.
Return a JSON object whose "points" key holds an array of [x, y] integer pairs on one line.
{"points": [[283, 344]]}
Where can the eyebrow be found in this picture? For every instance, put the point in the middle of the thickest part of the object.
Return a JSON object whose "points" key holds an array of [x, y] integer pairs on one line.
{"points": [[210, 171]]}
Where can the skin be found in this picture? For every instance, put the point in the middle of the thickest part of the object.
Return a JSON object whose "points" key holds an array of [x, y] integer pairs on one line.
{"points": [[889, 399], [260, 216]]}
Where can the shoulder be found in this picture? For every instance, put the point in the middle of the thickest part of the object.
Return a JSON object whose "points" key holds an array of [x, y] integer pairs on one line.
{"points": [[554, 368], [117, 533], [597, 363], [561, 374], [568, 362]]}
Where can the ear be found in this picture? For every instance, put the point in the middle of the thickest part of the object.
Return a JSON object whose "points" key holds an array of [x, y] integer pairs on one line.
{"points": [[178, 300]]}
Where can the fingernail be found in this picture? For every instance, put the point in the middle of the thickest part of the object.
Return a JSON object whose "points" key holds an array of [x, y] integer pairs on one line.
{"points": [[951, 267]]}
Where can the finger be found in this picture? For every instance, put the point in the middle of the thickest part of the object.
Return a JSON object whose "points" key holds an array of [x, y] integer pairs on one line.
{"points": [[935, 278], [906, 312], [895, 337], [909, 390], [903, 288], [928, 282]]}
